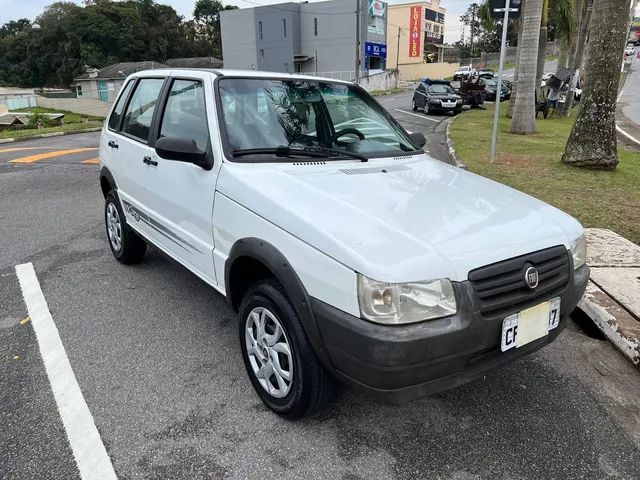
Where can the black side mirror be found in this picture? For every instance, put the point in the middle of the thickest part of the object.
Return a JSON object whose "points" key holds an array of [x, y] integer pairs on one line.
{"points": [[180, 149], [417, 137]]}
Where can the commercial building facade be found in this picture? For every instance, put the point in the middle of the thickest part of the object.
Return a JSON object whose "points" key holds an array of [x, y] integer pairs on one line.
{"points": [[314, 38]]}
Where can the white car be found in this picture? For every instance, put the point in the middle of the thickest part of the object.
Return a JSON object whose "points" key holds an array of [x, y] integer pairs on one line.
{"points": [[463, 72], [348, 253]]}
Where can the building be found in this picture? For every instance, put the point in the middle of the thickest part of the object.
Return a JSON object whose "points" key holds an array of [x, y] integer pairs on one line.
{"points": [[104, 84], [415, 37], [315, 38]]}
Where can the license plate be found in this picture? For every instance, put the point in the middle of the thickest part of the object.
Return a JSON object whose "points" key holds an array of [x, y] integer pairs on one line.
{"points": [[448, 104], [530, 324]]}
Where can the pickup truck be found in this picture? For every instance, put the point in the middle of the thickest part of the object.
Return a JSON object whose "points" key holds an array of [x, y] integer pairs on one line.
{"points": [[347, 252]]}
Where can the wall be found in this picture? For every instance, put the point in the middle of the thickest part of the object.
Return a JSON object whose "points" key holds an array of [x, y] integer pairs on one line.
{"points": [[380, 81], [86, 106], [278, 49], [239, 31], [436, 71]]}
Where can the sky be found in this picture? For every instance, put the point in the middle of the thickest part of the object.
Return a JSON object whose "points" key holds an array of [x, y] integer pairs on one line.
{"points": [[14, 9]]}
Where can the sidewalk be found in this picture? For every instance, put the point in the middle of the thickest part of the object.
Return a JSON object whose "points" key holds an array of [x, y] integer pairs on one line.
{"points": [[612, 299]]}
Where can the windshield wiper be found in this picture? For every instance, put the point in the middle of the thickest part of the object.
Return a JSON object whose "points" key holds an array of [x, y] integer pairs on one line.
{"points": [[315, 152]]}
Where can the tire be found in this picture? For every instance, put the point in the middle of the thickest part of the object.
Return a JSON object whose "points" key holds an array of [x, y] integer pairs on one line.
{"points": [[125, 244], [414, 107], [309, 387]]}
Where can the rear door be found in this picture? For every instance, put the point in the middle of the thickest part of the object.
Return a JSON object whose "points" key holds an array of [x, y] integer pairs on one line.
{"points": [[180, 194], [134, 152]]}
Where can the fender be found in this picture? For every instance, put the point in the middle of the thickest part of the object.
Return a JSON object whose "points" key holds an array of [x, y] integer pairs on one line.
{"points": [[275, 261], [106, 175]]}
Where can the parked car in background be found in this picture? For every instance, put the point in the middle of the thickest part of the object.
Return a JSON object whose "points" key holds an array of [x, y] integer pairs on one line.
{"points": [[545, 77], [490, 88], [465, 71], [348, 253], [486, 73], [436, 96], [630, 50]]}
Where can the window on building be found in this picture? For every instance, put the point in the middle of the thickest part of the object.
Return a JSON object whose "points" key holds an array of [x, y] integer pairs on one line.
{"points": [[315, 27], [260, 30], [284, 27], [137, 119], [286, 67], [79, 90], [262, 55]]}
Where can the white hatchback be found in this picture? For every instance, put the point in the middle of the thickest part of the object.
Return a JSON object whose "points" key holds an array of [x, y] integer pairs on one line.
{"points": [[348, 253]]}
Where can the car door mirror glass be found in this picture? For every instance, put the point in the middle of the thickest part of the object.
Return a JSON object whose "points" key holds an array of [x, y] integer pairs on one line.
{"points": [[180, 149]]}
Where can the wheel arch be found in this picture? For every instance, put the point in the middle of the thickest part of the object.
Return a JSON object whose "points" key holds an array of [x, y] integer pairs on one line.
{"points": [[107, 182], [253, 259]]}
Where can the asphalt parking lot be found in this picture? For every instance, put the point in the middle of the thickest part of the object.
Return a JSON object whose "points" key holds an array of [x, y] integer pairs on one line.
{"points": [[156, 356]]}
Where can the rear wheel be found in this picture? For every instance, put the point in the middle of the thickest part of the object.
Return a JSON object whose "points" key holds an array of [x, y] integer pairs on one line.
{"points": [[414, 107], [126, 245], [280, 362]]}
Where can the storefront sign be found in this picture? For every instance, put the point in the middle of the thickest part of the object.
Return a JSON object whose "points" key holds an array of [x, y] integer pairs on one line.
{"points": [[415, 31], [433, 16], [377, 8], [375, 50]]}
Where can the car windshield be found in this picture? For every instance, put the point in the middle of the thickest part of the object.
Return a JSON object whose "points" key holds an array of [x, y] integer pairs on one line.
{"points": [[280, 118], [440, 88]]}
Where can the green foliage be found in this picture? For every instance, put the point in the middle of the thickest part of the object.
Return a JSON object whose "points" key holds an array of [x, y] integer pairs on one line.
{"points": [[67, 37], [38, 119]]}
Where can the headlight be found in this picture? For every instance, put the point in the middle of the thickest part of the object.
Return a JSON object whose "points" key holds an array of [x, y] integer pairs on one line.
{"points": [[400, 303], [579, 251]]}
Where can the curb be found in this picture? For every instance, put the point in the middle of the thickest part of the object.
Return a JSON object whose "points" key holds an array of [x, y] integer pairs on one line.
{"points": [[616, 323], [452, 151], [47, 135]]}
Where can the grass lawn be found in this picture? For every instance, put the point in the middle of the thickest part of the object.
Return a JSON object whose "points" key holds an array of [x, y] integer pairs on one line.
{"points": [[30, 132], [378, 93], [69, 117], [532, 164]]}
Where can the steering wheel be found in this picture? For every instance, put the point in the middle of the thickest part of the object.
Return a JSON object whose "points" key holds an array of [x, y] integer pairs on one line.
{"points": [[347, 131]]}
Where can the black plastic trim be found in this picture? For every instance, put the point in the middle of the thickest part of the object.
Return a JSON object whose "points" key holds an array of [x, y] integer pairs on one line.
{"points": [[106, 174]]}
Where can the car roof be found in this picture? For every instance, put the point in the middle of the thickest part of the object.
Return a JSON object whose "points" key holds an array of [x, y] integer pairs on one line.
{"points": [[429, 81], [222, 72]]}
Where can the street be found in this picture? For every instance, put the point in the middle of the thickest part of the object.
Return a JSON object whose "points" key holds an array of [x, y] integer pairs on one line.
{"points": [[155, 353]]}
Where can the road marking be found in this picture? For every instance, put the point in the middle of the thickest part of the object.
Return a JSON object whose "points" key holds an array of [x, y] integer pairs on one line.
{"points": [[44, 156], [633, 139], [89, 452], [417, 115], [92, 161], [20, 149]]}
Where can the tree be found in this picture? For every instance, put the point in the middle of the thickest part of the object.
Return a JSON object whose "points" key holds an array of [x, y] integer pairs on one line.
{"points": [[592, 142], [578, 54], [524, 109], [206, 14]]}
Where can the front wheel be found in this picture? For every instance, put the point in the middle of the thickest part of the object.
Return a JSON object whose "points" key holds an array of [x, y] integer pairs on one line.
{"points": [[282, 366], [414, 107]]}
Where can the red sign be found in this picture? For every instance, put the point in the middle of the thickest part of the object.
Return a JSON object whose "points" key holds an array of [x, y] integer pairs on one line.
{"points": [[415, 31]]}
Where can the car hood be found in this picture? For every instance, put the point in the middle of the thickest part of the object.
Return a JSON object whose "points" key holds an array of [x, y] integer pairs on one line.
{"points": [[398, 220]]}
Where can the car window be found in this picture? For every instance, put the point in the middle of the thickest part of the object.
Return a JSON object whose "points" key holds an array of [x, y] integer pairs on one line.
{"points": [[137, 119], [185, 114], [440, 88], [116, 114]]}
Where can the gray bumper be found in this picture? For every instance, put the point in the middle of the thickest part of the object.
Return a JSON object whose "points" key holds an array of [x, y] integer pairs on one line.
{"points": [[401, 363]]}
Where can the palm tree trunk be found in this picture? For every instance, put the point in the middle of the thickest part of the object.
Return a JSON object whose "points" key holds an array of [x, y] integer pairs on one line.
{"points": [[524, 109], [592, 142], [563, 55], [514, 84], [542, 46], [576, 65]]}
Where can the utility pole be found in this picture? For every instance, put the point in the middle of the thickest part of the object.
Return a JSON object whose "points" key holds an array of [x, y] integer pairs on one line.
{"points": [[398, 52], [357, 72], [473, 22]]}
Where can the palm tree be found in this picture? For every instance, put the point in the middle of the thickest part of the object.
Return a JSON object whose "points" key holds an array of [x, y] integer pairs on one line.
{"points": [[542, 46], [592, 142], [524, 109]]}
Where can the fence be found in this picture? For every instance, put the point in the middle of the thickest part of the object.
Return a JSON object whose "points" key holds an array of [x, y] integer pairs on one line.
{"points": [[85, 106], [348, 75], [487, 59], [15, 103]]}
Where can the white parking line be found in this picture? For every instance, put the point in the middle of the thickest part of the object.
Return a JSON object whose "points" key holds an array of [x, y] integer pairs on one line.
{"points": [[416, 115], [89, 452], [633, 139]]}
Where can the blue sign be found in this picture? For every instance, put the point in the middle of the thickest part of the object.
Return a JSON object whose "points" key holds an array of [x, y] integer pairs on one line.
{"points": [[375, 50]]}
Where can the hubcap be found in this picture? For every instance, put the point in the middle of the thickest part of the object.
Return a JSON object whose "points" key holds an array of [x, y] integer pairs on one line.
{"points": [[114, 227], [269, 352]]}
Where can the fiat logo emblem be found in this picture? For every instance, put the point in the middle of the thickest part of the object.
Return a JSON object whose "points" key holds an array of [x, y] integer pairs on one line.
{"points": [[531, 277]]}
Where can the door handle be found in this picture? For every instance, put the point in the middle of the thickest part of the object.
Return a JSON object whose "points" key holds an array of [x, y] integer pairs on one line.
{"points": [[112, 144], [148, 161]]}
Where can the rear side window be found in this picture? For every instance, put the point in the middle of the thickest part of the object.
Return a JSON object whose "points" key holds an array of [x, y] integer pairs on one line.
{"points": [[137, 118], [116, 114], [185, 115]]}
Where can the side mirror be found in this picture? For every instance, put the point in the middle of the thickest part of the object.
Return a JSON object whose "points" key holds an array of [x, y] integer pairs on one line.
{"points": [[181, 149], [417, 138]]}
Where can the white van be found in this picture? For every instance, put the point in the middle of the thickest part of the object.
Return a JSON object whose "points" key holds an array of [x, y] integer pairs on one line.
{"points": [[348, 253]]}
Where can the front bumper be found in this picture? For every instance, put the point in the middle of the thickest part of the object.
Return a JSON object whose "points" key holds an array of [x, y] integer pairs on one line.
{"points": [[402, 363]]}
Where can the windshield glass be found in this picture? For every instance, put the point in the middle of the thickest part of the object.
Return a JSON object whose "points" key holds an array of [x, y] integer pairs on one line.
{"points": [[440, 88], [270, 113]]}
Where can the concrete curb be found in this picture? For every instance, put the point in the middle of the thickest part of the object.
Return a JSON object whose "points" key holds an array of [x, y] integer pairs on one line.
{"points": [[452, 151], [47, 135], [617, 324]]}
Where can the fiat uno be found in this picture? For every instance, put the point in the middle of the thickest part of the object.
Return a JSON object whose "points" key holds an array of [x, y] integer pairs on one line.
{"points": [[348, 253]]}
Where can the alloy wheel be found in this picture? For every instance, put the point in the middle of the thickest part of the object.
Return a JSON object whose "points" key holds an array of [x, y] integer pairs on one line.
{"points": [[114, 227]]}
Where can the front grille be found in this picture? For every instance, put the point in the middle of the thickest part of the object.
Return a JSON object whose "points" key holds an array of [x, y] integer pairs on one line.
{"points": [[501, 288]]}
